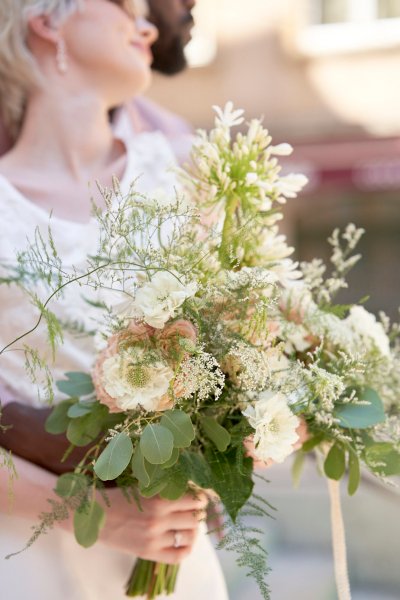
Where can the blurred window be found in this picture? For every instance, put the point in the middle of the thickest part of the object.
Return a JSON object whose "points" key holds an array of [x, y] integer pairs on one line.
{"points": [[347, 26], [353, 11]]}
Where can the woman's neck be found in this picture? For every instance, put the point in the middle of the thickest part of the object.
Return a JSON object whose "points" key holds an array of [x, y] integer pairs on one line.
{"points": [[66, 134]]}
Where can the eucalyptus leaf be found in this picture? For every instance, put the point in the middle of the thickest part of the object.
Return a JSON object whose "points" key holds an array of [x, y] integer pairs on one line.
{"points": [[335, 463], [138, 467], [88, 522], [58, 420], [115, 457], [80, 409], [76, 385], [176, 486], [173, 460], [85, 430], [216, 433], [361, 416], [71, 484], [157, 444], [181, 427], [354, 473]]}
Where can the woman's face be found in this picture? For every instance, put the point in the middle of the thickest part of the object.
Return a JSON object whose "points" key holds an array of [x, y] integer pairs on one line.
{"points": [[109, 43]]}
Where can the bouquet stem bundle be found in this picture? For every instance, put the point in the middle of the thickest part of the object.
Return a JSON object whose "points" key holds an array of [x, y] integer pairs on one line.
{"points": [[150, 579]]}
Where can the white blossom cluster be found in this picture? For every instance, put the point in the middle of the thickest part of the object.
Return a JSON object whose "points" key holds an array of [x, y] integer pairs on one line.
{"points": [[200, 376]]}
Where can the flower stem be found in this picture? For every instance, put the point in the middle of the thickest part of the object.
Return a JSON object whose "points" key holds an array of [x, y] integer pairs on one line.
{"points": [[151, 579]]}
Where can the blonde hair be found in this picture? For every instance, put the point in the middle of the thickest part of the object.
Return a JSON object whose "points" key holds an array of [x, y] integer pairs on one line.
{"points": [[19, 73]]}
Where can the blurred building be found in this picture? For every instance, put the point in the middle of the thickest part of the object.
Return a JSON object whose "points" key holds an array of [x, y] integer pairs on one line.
{"points": [[324, 74]]}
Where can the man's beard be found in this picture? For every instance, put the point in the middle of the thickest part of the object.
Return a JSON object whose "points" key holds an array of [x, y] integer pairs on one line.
{"points": [[169, 59]]}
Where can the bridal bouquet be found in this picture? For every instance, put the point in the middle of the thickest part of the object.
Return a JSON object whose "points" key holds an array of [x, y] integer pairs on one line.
{"points": [[213, 347]]}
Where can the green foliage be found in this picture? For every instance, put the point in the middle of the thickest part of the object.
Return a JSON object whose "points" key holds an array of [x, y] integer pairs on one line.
{"points": [[58, 420], [181, 427], [297, 467], [234, 487], [85, 430], [196, 468], [335, 462], [80, 409], [115, 457], [138, 467], [354, 473], [157, 444], [362, 416], [70, 485], [242, 538], [76, 385], [313, 442], [383, 459], [89, 520], [216, 433]]}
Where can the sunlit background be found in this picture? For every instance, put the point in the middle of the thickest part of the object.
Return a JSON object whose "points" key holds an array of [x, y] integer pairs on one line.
{"points": [[325, 74]]}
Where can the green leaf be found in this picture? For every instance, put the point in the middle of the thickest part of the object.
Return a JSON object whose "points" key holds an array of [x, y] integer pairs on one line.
{"points": [[80, 409], [153, 489], [58, 420], [180, 426], [157, 444], [297, 468], [196, 469], [71, 484], [76, 384], [138, 467], [115, 457], [84, 430], [88, 522], [383, 458], [176, 486], [335, 463], [233, 486], [312, 442], [354, 473], [216, 433], [172, 461], [360, 416]]}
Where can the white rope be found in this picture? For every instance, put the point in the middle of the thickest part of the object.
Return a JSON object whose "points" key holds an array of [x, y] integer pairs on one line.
{"points": [[339, 542]]}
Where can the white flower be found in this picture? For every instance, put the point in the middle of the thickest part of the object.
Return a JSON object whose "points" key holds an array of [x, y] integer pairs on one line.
{"points": [[365, 325], [132, 386], [275, 426], [228, 117], [290, 185], [281, 150], [157, 300]]}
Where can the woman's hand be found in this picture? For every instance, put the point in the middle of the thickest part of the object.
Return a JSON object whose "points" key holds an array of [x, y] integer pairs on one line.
{"points": [[163, 531]]}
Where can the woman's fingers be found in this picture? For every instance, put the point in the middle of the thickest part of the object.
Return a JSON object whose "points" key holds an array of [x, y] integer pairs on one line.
{"points": [[160, 507]]}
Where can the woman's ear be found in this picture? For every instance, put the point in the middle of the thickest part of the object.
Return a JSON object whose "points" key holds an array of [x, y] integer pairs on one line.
{"points": [[44, 28]]}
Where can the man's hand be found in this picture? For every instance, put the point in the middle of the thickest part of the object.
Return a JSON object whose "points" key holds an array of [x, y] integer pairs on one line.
{"points": [[26, 437]]}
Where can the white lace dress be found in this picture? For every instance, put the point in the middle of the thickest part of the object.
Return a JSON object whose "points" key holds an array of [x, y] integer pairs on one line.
{"points": [[55, 567]]}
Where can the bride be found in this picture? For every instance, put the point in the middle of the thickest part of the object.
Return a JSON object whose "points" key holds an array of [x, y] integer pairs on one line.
{"points": [[64, 65]]}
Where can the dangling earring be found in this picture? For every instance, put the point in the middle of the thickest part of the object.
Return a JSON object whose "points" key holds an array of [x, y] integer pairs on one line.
{"points": [[61, 57]]}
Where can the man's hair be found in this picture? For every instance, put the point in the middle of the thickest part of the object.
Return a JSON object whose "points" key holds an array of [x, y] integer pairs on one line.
{"points": [[19, 73]]}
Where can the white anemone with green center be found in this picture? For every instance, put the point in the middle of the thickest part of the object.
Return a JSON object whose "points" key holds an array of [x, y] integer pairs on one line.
{"points": [[275, 426], [132, 382]]}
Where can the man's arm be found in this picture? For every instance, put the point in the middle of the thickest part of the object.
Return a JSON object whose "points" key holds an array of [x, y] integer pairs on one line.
{"points": [[24, 434]]}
